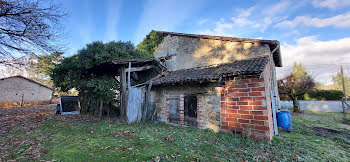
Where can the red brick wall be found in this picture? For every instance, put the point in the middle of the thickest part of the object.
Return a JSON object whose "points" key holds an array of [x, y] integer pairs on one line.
{"points": [[182, 109], [244, 107], [199, 112]]}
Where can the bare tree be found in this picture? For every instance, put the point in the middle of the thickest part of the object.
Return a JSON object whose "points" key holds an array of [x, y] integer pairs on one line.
{"points": [[29, 27], [296, 84]]}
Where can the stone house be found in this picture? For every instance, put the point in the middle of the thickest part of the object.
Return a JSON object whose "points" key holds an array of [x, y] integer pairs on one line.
{"points": [[19, 91], [210, 82], [221, 83]]}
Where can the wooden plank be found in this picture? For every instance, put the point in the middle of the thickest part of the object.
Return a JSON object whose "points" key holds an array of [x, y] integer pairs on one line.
{"points": [[123, 101], [147, 101], [129, 85], [274, 113], [344, 88]]}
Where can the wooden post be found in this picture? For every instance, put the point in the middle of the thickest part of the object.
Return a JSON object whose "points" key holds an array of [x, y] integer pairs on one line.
{"points": [[147, 102], [123, 100], [127, 96], [129, 83], [22, 101], [100, 109], [344, 88]]}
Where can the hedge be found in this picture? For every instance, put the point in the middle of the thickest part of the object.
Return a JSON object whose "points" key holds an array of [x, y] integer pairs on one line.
{"points": [[323, 95]]}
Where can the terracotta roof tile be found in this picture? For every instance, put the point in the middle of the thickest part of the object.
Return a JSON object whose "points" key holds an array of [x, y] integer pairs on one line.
{"points": [[243, 67]]}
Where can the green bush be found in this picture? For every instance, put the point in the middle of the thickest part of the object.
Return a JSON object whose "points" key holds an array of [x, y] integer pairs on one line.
{"points": [[151, 42], [323, 95]]}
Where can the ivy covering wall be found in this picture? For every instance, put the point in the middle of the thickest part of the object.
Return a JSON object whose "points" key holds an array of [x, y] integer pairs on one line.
{"points": [[151, 42]]}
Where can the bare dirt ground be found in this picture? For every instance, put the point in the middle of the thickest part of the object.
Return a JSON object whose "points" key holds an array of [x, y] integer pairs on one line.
{"points": [[325, 132], [25, 119]]}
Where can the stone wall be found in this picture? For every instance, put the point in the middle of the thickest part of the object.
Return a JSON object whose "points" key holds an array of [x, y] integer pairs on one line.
{"points": [[195, 52], [246, 106], [13, 89], [208, 103], [242, 104]]}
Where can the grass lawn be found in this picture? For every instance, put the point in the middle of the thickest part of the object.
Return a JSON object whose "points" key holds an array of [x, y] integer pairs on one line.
{"points": [[316, 137]]}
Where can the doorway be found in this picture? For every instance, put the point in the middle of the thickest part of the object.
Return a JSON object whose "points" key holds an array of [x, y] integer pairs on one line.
{"points": [[190, 109]]}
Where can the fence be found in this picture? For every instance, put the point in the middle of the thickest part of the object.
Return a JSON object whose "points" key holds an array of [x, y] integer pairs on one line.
{"points": [[319, 106]]}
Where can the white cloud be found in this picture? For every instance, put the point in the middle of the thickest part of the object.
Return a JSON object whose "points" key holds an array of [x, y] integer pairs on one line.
{"points": [[243, 18], [311, 51], [242, 21], [245, 12], [113, 14], [276, 8], [341, 21], [332, 4], [266, 24], [202, 21], [221, 26]]}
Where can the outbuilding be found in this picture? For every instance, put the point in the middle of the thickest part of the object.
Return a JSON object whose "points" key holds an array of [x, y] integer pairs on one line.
{"points": [[221, 83], [20, 91]]}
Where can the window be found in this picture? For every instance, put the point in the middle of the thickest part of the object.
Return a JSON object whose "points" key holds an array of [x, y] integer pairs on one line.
{"points": [[190, 108]]}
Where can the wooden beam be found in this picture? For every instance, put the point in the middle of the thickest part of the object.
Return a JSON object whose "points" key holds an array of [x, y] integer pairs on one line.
{"points": [[142, 68], [129, 71]]}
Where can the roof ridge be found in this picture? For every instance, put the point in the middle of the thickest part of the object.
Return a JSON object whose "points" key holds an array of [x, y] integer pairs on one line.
{"points": [[31, 80], [217, 37]]}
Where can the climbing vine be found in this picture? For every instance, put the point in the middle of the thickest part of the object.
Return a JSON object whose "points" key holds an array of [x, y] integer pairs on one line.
{"points": [[151, 42]]}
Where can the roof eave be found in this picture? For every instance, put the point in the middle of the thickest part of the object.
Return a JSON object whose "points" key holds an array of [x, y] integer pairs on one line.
{"points": [[278, 62], [33, 81], [200, 81]]}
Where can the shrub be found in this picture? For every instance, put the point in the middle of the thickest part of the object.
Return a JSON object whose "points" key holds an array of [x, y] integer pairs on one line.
{"points": [[323, 95]]}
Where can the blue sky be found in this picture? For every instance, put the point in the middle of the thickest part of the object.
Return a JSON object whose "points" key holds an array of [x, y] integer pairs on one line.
{"points": [[311, 32]]}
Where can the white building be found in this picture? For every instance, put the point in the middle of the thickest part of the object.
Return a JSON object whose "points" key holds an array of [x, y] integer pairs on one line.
{"points": [[20, 91]]}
